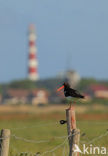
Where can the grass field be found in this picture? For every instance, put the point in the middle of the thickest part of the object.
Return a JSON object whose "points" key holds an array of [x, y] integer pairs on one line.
{"points": [[39, 131]]}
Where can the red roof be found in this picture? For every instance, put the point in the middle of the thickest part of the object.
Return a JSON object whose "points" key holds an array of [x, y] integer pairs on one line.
{"points": [[24, 93], [98, 87], [18, 93]]}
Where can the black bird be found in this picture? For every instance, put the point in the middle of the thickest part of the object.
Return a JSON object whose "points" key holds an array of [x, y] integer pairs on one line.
{"points": [[69, 92]]}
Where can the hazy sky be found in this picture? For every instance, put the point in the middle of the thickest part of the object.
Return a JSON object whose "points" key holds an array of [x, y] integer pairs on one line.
{"points": [[71, 33]]}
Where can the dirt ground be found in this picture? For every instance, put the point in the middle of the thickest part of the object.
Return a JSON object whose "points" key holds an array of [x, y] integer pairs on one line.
{"points": [[96, 112]]}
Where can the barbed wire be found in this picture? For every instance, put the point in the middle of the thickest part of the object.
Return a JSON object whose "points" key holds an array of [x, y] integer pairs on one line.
{"points": [[88, 141], [60, 145], [54, 149], [97, 138], [65, 142], [28, 140], [64, 150], [36, 141]]}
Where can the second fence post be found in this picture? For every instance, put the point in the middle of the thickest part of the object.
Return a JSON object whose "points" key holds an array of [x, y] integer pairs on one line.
{"points": [[4, 142]]}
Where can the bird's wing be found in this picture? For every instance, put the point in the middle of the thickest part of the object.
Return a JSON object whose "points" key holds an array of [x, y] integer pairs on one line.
{"points": [[77, 92]]}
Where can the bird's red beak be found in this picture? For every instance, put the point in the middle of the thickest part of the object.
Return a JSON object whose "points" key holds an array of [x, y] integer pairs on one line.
{"points": [[60, 88]]}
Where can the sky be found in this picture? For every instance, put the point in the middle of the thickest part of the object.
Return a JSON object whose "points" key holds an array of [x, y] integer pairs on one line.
{"points": [[70, 34]]}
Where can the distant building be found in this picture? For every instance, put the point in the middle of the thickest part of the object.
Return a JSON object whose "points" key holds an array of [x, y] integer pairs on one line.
{"points": [[71, 76], [98, 91], [39, 96], [17, 96]]}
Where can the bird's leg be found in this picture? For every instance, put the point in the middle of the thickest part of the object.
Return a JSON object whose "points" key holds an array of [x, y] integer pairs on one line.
{"points": [[74, 103], [70, 104], [70, 101]]}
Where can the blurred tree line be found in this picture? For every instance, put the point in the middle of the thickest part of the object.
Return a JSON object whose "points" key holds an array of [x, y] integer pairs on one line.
{"points": [[50, 84]]}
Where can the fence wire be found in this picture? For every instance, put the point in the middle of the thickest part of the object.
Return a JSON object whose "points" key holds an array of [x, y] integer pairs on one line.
{"points": [[63, 145]]}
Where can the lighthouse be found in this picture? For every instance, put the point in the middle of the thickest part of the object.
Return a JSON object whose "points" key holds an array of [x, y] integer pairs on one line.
{"points": [[32, 61]]}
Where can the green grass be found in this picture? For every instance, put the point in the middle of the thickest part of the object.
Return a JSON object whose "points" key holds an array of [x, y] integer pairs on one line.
{"points": [[47, 129]]}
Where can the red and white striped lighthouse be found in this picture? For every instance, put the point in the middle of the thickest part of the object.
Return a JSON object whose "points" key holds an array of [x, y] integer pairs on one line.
{"points": [[33, 62]]}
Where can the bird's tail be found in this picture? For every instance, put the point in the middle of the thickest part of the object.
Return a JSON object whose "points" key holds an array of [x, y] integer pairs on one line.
{"points": [[81, 96]]}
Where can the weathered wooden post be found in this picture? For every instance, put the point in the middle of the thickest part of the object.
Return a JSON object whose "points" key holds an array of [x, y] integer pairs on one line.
{"points": [[73, 132], [4, 143]]}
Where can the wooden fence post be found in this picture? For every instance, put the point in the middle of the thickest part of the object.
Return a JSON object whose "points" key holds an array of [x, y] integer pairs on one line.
{"points": [[73, 133], [75, 141], [4, 143]]}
